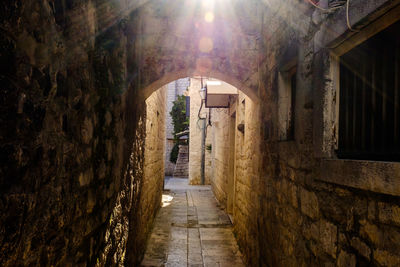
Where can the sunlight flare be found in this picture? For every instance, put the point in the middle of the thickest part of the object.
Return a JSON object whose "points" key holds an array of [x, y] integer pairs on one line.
{"points": [[166, 200], [209, 17], [208, 4], [206, 44]]}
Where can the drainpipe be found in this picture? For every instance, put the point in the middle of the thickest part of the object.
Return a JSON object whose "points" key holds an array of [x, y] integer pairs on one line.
{"points": [[203, 147], [203, 133]]}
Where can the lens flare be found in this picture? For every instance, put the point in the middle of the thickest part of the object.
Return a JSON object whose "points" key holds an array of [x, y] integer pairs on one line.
{"points": [[206, 44], [203, 65], [208, 4], [209, 17]]}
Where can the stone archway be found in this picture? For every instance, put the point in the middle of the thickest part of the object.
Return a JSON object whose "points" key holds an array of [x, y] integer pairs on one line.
{"points": [[251, 93], [174, 40]]}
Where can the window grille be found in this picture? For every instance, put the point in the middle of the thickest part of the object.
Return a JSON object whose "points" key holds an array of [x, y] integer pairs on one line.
{"points": [[369, 103]]}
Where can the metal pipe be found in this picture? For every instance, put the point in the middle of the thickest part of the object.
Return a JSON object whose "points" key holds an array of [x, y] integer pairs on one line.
{"points": [[203, 139], [203, 147]]}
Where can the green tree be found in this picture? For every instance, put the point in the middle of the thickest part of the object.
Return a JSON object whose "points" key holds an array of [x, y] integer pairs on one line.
{"points": [[180, 122]]}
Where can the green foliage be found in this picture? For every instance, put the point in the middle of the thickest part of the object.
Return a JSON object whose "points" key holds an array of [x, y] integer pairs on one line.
{"points": [[209, 147], [180, 122], [178, 114], [173, 157]]}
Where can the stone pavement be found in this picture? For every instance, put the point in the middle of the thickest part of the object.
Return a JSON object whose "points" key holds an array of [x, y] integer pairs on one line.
{"points": [[191, 230]]}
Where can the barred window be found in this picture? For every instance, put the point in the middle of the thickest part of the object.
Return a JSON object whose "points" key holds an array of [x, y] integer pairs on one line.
{"points": [[369, 99]]}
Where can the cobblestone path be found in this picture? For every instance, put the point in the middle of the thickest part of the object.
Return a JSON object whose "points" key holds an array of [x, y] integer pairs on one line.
{"points": [[191, 230]]}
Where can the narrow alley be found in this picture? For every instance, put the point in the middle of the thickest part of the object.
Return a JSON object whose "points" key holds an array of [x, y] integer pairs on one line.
{"points": [[277, 123], [191, 230]]}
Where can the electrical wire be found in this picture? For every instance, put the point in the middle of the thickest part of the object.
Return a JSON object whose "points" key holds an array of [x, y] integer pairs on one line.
{"points": [[348, 17], [201, 106], [197, 124], [334, 8]]}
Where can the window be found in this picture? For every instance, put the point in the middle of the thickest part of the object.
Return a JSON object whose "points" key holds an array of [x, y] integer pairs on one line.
{"points": [[369, 98], [287, 103], [292, 78]]}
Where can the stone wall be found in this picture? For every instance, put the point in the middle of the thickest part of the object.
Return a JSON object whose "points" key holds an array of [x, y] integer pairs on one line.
{"points": [[246, 166], [153, 168], [309, 208], [72, 136], [171, 97], [247, 159], [296, 204], [220, 154], [169, 166], [196, 127]]}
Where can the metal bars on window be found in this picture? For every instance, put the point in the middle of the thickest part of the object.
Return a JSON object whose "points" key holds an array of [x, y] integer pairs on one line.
{"points": [[369, 108]]}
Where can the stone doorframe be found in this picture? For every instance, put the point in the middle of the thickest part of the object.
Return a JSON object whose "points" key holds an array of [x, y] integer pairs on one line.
{"points": [[375, 176]]}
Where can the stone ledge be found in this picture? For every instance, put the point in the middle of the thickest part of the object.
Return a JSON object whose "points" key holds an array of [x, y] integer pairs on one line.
{"points": [[376, 176], [361, 13]]}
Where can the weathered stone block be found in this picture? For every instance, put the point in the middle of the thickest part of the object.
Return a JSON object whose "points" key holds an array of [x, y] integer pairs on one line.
{"points": [[328, 237], [293, 195], [371, 210], [361, 247], [385, 258], [389, 213], [87, 130], [314, 231], [346, 259], [86, 177], [290, 217], [371, 232], [91, 201], [309, 203], [315, 248]]}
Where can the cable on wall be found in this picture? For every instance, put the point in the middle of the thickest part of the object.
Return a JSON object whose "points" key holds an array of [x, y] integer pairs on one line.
{"points": [[334, 8], [348, 18]]}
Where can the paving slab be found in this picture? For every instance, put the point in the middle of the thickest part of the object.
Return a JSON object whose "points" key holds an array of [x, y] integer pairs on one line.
{"points": [[191, 230]]}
